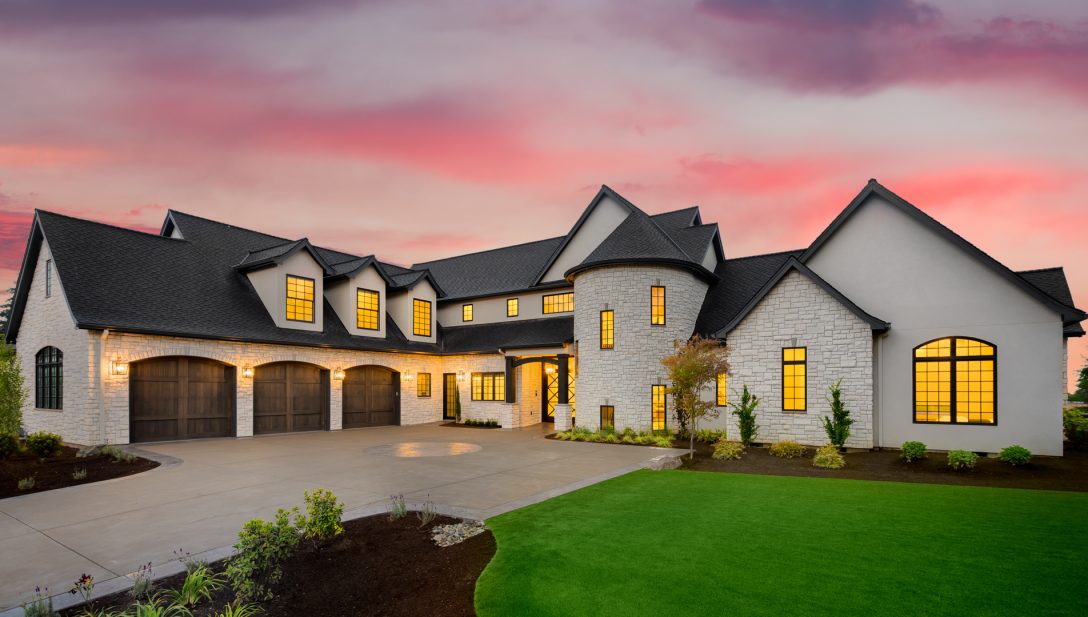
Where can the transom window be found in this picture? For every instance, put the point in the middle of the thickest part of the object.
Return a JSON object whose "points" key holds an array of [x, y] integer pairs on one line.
{"points": [[608, 333], [511, 307], [300, 298], [794, 378], [722, 390], [657, 306], [559, 303], [423, 385], [954, 382], [367, 309], [49, 378], [48, 278], [489, 386], [466, 312], [421, 317], [658, 408], [608, 417]]}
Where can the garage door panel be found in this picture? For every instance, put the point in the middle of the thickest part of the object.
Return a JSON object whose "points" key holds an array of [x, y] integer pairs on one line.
{"points": [[289, 396], [369, 397], [180, 398]]}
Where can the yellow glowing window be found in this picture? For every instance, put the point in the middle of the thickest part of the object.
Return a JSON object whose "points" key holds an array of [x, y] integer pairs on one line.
{"points": [[366, 309], [300, 299], [559, 303], [512, 307], [955, 382], [423, 385], [608, 334], [794, 378], [657, 410], [608, 417], [657, 306], [466, 312], [722, 390], [421, 317], [489, 386]]}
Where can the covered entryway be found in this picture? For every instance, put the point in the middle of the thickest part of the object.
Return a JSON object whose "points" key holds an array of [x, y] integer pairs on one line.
{"points": [[371, 397], [290, 397], [180, 397]]}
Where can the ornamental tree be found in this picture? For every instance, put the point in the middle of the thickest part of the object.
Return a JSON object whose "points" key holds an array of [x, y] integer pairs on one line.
{"points": [[693, 369]]}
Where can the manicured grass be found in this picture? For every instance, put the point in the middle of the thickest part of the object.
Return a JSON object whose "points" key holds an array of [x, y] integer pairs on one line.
{"points": [[691, 543]]}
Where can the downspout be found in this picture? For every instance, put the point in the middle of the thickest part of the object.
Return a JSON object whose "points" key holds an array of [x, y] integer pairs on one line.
{"points": [[102, 338]]}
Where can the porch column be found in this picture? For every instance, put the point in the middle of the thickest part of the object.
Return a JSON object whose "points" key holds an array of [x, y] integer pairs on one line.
{"points": [[563, 419], [511, 383]]}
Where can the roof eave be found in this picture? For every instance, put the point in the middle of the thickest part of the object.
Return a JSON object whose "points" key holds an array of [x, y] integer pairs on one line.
{"points": [[694, 268]]}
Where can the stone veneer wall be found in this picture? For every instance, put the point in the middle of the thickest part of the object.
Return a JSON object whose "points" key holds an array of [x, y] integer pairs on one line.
{"points": [[798, 313], [622, 376]]}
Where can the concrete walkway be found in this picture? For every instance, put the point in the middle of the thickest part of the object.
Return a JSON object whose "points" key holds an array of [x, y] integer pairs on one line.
{"points": [[199, 498]]}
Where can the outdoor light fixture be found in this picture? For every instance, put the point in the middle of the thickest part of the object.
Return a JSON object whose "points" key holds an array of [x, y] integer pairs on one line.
{"points": [[247, 372], [407, 375], [460, 375], [338, 373], [549, 369], [118, 368]]}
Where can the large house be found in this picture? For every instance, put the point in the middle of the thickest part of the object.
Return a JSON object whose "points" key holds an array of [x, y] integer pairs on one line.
{"points": [[213, 330]]}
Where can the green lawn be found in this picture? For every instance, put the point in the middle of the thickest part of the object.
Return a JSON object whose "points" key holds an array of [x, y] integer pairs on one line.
{"points": [[687, 543]]}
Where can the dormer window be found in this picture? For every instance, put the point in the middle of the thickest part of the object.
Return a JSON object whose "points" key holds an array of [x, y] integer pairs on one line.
{"points": [[300, 299], [421, 317], [466, 312], [367, 309]]}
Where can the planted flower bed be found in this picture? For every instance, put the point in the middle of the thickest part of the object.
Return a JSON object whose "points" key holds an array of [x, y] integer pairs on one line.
{"points": [[28, 471]]}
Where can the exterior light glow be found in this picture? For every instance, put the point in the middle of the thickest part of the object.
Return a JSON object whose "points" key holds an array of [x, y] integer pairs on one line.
{"points": [[549, 369], [408, 376], [247, 372], [460, 375], [338, 374], [118, 368]]}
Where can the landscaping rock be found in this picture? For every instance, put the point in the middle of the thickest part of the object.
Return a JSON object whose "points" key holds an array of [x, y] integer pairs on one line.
{"points": [[448, 535], [663, 462]]}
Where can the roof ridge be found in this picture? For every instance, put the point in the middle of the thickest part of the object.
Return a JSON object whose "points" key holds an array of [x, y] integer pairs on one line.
{"points": [[1050, 269], [764, 255], [498, 248], [110, 225], [661, 230]]}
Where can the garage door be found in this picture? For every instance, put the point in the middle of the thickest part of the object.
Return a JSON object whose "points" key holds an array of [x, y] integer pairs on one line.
{"points": [[289, 397], [371, 396], [180, 398]]}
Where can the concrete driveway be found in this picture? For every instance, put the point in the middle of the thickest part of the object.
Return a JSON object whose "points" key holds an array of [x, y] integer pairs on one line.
{"points": [[199, 498]]}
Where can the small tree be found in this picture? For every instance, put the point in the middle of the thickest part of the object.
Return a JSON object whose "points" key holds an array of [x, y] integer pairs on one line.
{"points": [[745, 411], [1081, 395], [457, 405], [5, 310], [13, 392], [837, 426], [693, 368]]}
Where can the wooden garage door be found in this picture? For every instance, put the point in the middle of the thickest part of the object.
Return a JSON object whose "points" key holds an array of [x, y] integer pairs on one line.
{"points": [[371, 397], [290, 396], [180, 398]]}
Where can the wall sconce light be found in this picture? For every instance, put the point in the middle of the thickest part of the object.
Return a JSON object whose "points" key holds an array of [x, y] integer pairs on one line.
{"points": [[549, 369], [118, 368], [408, 376], [460, 376], [247, 372], [338, 374]]}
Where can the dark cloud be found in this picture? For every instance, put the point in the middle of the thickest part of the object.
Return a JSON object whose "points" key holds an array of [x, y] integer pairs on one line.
{"points": [[833, 14], [66, 13]]}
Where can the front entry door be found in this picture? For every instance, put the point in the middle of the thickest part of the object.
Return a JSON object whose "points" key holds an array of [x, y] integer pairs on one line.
{"points": [[449, 396], [549, 385]]}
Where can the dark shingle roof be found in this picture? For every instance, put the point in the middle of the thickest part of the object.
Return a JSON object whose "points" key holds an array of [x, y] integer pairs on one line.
{"points": [[739, 280], [1053, 283], [509, 335], [495, 271]]}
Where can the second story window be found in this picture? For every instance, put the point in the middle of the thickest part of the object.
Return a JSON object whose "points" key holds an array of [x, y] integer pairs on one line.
{"points": [[466, 312], [657, 306], [48, 278], [512, 307], [421, 317], [300, 299], [608, 338], [559, 303], [367, 309]]}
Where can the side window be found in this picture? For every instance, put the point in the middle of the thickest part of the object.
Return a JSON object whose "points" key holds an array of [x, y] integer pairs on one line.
{"points": [[48, 278], [49, 378]]}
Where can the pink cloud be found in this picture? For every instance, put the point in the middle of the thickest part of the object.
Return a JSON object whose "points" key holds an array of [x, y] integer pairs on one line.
{"points": [[34, 155]]}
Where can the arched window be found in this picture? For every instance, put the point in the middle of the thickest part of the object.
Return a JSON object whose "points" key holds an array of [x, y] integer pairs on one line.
{"points": [[955, 381], [48, 378]]}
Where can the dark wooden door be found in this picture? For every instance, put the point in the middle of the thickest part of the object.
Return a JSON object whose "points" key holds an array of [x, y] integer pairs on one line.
{"points": [[449, 396], [180, 397], [290, 397], [371, 397]]}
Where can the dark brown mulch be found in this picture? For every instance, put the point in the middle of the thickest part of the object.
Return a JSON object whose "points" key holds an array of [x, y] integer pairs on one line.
{"points": [[1068, 473], [56, 472], [468, 425], [377, 567]]}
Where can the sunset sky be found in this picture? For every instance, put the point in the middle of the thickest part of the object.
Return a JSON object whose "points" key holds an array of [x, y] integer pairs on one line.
{"points": [[420, 130]]}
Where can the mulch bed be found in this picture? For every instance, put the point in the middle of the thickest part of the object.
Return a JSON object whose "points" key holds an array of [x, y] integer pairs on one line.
{"points": [[56, 472], [1068, 473], [376, 567], [468, 425]]}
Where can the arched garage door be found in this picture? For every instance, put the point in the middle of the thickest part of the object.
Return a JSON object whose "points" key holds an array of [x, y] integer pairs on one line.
{"points": [[371, 397], [180, 397], [290, 397]]}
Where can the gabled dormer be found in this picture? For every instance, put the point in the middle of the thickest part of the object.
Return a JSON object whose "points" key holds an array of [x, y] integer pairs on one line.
{"points": [[413, 301], [601, 217], [357, 291], [289, 278]]}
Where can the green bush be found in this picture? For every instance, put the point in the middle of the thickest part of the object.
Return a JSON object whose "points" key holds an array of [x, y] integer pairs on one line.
{"points": [[1075, 427], [913, 451], [13, 392], [1015, 455], [324, 515], [707, 435], [728, 450], [838, 425], [9, 444], [262, 546], [787, 449], [199, 585], [745, 411], [962, 459], [828, 457], [43, 444], [663, 441]]}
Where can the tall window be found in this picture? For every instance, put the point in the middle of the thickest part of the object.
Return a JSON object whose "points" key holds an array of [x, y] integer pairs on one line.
{"points": [[657, 306], [48, 278], [511, 307], [954, 382], [721, 393], [559, 303], [608, 417], [489, 386], [367, 309], [794, 379], [423, 385], [300, 299], [608, 322], [421, 317], [657, 416], [49, 378], [466, 312]]}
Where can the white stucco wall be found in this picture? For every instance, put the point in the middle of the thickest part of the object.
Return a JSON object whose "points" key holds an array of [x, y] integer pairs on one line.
{"points": [[343, 297], [603, 220], [492, 309], [271, 286], [400, 309]]}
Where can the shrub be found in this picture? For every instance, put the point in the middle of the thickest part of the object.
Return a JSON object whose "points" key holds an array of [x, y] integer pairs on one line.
{"points": [[41, 605], [828, 457], [1075, 427], [1015, 455], [489, 423], [728, 450], [9, 444], [118, 455], [707, 435], [262, 546], [79, 474], [43, 444], [837, 426], [745, 411], [630, 437], [427, 513], [324, 514], [913, 451], [398, 508], [240, 610], [13, 392], [647, 439], [610, 437], [962, 459], [663, 441], [200, 583], [27, 483], [787, 449]]}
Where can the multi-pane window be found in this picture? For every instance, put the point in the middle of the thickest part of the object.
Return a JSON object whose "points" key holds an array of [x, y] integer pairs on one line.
{"points": [[559, 303], [421, 317], [657, 306], [721, 393], [49, 378], [657, 409], [367, 309], [466, 312], [300, 298], [489, 386], [954, 382], [794, 378], [608, 417], [423, 384], [608, 332], [511, 307], [48, 278]]}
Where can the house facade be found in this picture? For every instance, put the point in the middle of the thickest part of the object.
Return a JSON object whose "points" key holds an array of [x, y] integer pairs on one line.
{"points": [[211, 330]]}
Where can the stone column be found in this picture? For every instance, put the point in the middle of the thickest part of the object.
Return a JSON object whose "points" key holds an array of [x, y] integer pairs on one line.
{"points": [[563, 417], [336, 403]]}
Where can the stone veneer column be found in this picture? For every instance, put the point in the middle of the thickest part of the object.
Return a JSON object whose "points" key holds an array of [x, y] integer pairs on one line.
{"points": [[563, 418]]}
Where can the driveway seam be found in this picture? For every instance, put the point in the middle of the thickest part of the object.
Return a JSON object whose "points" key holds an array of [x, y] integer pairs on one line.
{"points": [[64, 546]]}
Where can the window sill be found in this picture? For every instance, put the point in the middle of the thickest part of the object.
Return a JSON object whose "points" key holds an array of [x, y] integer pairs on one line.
{"points": [[48, 409], [794, 412]]}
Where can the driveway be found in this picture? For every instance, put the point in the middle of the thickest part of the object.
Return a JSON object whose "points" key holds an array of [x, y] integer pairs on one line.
{"points": [[199, 498]]}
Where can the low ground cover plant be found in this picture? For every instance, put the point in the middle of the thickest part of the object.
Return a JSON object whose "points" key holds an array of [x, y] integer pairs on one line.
{"points": [[787, 449], [118, 455], [490, 422], [199, 585], [9, 444], [962, 460], [398, 507], [725, 450], [41, 605], [661, 439], [27, 483], [707, 435], [913, 451], [43, 444], [1015, 455], [829, 457]]}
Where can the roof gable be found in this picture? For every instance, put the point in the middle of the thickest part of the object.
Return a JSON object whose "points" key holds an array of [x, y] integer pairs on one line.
{"points": [[275, 255], [608, 222]]}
